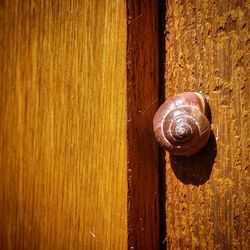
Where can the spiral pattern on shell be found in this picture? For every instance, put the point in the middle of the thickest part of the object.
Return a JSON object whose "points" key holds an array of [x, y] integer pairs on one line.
{"points": [[181, 124]]}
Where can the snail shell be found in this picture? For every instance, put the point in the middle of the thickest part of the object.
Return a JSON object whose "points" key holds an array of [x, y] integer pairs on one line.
{"points": [[181, 124]]}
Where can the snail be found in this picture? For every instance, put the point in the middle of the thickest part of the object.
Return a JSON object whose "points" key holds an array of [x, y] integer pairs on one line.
{"points": [[181, 124]]}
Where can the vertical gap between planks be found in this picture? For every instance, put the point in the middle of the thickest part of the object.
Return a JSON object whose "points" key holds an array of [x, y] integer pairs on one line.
{"points": [[161, 94]]}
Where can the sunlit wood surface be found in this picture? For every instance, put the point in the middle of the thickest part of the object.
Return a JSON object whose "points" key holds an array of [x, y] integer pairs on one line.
{"points": [[208, 195], [63, 166]]}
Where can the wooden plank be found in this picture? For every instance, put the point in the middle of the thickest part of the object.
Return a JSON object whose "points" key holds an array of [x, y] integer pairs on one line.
{"points": [[142, 102], [63, 167], [208, 49]]}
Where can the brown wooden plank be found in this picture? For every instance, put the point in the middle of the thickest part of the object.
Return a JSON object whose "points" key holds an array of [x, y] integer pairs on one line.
{"points": [[208, 49], [142, 103], [63, 167]]}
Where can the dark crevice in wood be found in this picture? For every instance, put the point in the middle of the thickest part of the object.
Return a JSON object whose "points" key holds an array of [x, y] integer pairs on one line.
{"points": [[161, 94]]}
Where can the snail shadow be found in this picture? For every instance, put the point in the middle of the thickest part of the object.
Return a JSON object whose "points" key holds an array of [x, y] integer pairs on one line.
{"points": [[196, 169]]}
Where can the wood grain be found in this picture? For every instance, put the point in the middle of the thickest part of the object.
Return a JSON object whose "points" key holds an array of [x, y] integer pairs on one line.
{"points": [[142, 103], [208, 50], [63, 181]]}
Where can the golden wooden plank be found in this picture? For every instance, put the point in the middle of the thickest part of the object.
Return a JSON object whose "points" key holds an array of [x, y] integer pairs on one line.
{"points": [[208, 50], [63, 182]]}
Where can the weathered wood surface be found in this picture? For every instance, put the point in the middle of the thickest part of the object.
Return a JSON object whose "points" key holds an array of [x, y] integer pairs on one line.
{"points": [[63, 162], [208, 49]]}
